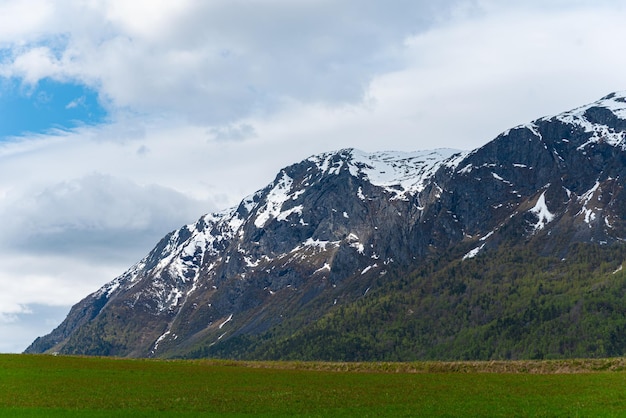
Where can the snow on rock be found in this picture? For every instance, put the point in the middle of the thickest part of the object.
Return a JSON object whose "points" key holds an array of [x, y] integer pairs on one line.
{"points": [[368, 268], [466, 170], [175, 275], [360, 194], [178, 260], [473, 253], [586, 199], [499, 178], [284, 215], [353, 241], [581, 117], [278, 195], [399, 173], [108, 289], [158, 341], [318, 244], [616, 103], [590, 216], [541, 211], [487, 236], [325, 267], [230, 318], [360, 248]]}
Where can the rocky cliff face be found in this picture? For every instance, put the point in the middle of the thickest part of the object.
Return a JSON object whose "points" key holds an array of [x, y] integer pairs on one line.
{"points": [[334, 226], [561, 176]]}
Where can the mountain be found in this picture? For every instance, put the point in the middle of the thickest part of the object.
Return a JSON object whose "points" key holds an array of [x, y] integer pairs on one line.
{"points": [[511, 250]]}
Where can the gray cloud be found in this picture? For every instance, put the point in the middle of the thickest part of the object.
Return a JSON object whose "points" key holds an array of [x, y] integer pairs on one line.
{"points": [[232, 132], [97, 216]]}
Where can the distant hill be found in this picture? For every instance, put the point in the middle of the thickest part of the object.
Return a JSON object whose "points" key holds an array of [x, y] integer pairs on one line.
{"points": [[512, 250]]}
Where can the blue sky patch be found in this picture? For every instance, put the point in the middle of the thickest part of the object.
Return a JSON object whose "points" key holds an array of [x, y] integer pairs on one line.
{"points": [[48, 105]]}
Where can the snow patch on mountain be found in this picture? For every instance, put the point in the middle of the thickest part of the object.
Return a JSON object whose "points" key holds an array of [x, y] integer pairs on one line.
{"points": [[614, 102], [275, 199], [316, 243], [325, 267], [230, 318], [541, 211], [399, 173], [586, 199], [158, 341], [473, 253]]}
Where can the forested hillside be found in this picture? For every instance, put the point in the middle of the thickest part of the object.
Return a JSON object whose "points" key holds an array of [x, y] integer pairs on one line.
{"points": [[508, 304]]}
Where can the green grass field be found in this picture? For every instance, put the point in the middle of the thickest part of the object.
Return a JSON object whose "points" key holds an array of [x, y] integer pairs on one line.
{"points": [[82, 386]]}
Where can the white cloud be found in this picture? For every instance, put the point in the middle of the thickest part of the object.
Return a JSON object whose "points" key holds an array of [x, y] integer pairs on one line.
{"points": [[466, 82], [233, 132], [20, 19], [55, 280], [78, 102], [35, 64], [215, 62]]}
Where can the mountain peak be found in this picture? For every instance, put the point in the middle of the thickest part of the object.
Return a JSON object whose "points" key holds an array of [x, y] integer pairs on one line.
{"points": [[615, 100], [599, 122], [399, 173], [604, 119]]}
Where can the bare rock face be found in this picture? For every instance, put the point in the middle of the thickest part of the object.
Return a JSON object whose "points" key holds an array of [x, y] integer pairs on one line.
{"points": [[331, 227]]}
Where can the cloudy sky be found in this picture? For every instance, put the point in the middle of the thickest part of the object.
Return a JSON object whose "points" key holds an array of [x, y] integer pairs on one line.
{"points": [[122, 120]]}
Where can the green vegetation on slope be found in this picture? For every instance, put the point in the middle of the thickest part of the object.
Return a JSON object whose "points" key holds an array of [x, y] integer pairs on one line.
{"points": [[512, 303], [83, 386]]}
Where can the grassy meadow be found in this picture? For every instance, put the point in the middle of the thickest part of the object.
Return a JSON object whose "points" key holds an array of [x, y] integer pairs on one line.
{"points": [[38, 385]]}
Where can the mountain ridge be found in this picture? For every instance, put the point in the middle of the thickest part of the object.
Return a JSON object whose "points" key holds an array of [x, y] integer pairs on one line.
{"points": [[333, 227]]}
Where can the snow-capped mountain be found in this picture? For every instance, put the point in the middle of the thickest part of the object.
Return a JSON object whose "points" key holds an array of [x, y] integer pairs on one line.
{"points": [[329, 229]]}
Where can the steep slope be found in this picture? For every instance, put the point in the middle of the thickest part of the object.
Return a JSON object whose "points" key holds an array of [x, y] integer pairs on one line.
{"points": [[341, 228], [328, 225], [561, 176]]}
